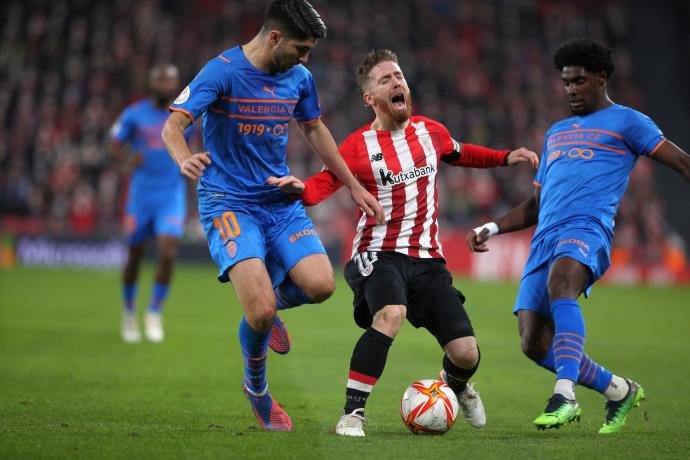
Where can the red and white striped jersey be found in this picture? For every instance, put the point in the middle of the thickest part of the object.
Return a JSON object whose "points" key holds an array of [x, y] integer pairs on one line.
{"points": [[399, 168]]}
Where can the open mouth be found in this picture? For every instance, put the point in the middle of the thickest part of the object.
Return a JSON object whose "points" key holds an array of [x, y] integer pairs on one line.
{"points": [[398, 101]]}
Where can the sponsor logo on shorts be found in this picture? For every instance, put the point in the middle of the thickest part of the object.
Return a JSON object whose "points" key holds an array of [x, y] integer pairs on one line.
{"points": [[301, 233], [574, 241], [231, 248], [365, 262]]}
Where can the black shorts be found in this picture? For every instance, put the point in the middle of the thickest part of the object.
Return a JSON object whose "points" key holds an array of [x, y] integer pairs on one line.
{"points": [[424, 286]]}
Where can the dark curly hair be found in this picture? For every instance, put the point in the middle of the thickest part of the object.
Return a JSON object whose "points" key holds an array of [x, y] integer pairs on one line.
{"points": [[294, 18], [371, 60], [594, 56]]}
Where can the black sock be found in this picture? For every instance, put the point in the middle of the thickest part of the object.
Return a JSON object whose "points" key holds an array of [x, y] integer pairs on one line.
{"points": [[457, 377], [366, 366]]}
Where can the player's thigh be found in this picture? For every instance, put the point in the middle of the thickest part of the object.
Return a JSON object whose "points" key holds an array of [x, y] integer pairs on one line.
{"points": [[314, 275], [290, 240], [533, 293], [169, 217], [581, 256], [443, 310], [233, 236], [139, 223], [376, 280], [254, 289]]}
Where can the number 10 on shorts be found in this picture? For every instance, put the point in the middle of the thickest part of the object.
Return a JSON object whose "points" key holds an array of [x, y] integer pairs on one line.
{"points": [[227, 225]]}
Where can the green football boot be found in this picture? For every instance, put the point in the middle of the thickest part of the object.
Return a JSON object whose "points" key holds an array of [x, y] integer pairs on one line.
{"points": [[558, 412], [617, 411]]}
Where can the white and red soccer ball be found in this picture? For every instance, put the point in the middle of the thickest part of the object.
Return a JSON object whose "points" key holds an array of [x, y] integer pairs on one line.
{"points": [[429, 407]]}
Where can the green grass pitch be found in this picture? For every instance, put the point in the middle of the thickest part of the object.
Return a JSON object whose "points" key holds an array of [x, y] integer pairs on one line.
{"points": [[69, 388]]}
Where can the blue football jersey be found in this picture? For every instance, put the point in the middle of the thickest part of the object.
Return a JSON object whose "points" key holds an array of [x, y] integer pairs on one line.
{"points": [[586, 163], [245, 114], [139, 126]]}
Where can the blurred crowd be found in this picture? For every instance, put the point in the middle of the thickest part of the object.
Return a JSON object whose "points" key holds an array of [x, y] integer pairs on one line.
{"points": [[68, 68]]}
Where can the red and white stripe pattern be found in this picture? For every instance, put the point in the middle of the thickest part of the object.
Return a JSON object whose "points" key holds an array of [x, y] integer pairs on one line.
{"points": [[400, 171], [361, 382]]}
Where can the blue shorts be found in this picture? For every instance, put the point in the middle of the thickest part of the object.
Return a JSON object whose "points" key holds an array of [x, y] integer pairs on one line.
{"points": [[579, 240], [147, 218], [279, 234]]}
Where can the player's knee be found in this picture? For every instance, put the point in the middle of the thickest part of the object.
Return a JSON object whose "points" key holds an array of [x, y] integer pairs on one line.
{"points": [[261, 318], [320, 288], [390, 319], [533, 349], [560, 287], [463, 353]]}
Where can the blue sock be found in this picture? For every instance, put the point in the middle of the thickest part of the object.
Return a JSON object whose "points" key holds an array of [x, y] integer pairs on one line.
{"points": [[254, 348], [160, 292], [591, 375], [129, 295], [569, 340], [289, 295]]}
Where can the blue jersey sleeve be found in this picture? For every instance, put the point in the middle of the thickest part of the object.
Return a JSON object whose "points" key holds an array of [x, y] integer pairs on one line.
{"points": [[209, 84], [307, 108], [124, 128], [541, 171], [641, 133]]}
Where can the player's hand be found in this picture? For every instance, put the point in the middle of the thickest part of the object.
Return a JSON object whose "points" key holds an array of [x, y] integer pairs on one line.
{"points": [[194, 166], [368, 203], [477, 243], [287, 184], [522, 155]]}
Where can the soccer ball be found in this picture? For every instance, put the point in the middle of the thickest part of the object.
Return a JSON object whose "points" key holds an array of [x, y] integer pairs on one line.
{"points": [[429, 407]]}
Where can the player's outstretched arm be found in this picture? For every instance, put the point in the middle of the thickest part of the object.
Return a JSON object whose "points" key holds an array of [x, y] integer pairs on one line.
{"points": [[674, 157], [522, 155], [312, 191], [476, 156], [521, 216], [321, 141], [191, 165]]}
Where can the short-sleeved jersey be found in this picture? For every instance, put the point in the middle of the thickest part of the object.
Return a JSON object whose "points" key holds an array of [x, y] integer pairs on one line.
{"points": [[139, 126], [245, 114], [399, 168], [586, 163]]}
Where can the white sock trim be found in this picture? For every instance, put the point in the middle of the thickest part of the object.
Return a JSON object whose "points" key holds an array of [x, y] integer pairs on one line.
{"points": [[491, 227]]}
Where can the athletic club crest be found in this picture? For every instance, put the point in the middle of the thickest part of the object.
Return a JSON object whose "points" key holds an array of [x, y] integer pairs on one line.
{"points": [[232, 249]]}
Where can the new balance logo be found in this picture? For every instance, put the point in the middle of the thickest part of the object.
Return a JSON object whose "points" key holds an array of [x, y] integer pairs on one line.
{"points": [[270, 90], [387, 177], [377, 157]]}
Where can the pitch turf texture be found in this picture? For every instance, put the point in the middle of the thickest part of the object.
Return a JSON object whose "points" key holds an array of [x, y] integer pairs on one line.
{"points": [[69, 388]]}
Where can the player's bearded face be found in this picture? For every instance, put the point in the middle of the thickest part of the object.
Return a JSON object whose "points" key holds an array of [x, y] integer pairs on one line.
{"points": [[290, 52], [389, 93]]}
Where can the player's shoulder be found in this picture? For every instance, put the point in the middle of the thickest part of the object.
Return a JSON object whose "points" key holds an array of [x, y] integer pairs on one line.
{"points": [[430, 122], [137, 107], [357, 135], [228, 61], [628, 113]]}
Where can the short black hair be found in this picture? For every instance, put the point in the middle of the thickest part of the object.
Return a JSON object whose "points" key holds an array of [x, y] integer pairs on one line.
{"points": [[371, 60], [593, 55], [294, 18]]}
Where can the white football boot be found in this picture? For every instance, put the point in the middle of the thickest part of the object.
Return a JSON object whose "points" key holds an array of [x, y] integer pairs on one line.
{"points": [[130, 328], [153, 327], [351, 424], [471, 406]]}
